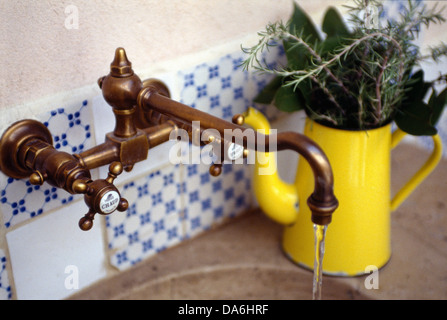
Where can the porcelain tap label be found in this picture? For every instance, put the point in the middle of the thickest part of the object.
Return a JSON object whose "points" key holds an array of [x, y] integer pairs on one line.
{"points": [[109, 202], [235, 151]]}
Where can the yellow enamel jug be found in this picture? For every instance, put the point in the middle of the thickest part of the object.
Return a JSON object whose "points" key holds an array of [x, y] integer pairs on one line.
{"points": [[359, 235]]}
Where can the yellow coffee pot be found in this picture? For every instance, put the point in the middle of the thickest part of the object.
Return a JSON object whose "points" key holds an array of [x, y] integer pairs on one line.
{"points": [[359, 235]]}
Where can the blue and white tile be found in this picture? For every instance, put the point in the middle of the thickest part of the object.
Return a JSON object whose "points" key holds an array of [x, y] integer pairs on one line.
{"points": [[153, 221], [5, 287], [218, 87], [71, 129], [212, 200]]}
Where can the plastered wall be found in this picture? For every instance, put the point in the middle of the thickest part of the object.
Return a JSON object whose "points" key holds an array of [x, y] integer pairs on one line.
{"points": [[45, 50]]}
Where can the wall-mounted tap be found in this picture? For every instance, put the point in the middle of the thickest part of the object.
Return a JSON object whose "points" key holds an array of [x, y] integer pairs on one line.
{"points": [[145, 117]]}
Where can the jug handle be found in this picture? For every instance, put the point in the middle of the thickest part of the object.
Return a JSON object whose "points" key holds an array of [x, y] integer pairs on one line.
{"points": [[421, 174]]}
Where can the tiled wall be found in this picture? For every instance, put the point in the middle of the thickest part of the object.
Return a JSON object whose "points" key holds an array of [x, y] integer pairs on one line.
{"points": [[167, 202], [72, 132]]}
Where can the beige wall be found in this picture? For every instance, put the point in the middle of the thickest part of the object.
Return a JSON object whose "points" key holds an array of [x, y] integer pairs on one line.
{"points": [[40, 56]]}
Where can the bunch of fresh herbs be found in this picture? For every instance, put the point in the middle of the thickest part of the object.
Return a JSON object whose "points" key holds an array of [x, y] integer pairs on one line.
{"points": [[358, 77]]}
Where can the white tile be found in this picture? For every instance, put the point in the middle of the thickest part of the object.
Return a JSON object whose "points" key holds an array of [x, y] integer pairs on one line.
{"points": [[44, 252], [216, 87]]}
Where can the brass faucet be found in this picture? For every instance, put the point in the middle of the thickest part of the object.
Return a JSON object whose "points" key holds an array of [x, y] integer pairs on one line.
{"points": [[145, 117]]}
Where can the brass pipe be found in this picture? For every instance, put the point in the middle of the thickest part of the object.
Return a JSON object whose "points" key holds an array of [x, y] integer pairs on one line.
{"points": [[99, 155], [158, 134], [322, 202]]}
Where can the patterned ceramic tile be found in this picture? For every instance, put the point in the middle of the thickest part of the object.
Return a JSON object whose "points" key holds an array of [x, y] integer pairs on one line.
{"points": [[221, 88], [174, 203], [217, 87], [211, 200], [5, 288], [153, 221], [71, 129]]}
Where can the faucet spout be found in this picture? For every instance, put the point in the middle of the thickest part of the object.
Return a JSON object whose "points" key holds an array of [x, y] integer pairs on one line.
{"points": [[322, 201]]}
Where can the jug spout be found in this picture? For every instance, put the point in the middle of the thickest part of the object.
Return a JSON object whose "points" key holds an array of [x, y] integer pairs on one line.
{"points": [[279, 199]]}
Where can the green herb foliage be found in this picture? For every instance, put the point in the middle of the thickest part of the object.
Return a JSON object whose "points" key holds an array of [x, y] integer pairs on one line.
{"points": [[354, 78]]}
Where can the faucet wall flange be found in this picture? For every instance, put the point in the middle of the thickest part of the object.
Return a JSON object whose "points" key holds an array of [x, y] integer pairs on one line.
{"points": [[12, 161], [27, 150]]}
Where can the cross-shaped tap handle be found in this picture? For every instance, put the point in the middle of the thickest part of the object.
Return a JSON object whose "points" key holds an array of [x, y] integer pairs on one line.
{"points": [[101, 196]]}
